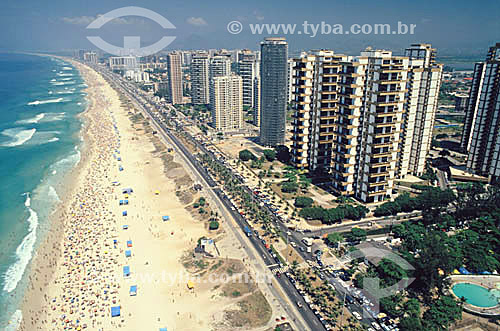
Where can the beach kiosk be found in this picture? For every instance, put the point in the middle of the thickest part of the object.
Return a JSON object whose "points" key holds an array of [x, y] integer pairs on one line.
{"points": [[133, 290], [165, 218], [126, 271], [115, 311], [129, 243], [128, 253]]}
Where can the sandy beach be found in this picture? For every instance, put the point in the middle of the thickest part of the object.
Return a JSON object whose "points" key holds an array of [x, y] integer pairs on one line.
{"points": [[77, 274]]}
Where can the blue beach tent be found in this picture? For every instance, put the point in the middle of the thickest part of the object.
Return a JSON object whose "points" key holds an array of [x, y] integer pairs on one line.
{"points": [[125, 202], [125, 227], [115, 311], [127, 191], [119, 159], [126, 271], [133, 290], [128, 253], [120, 168], [121, 202], [124, 213], [163, 329], [165, 218]]}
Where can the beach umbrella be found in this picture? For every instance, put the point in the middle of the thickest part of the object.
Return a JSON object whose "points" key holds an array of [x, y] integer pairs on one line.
{"points": [[157, 192], [115, 311], [133, 290]]}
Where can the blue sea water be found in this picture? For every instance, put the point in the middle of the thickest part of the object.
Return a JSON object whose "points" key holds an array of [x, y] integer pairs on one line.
{"points": [[40, 98]]}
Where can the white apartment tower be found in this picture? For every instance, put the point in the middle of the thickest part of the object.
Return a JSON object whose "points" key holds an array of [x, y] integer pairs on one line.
{"points": [[220, 65], [422, 91], [174, 74], [248, 69], [200, 79], [481, 135], [226, 102], [348, 119]]}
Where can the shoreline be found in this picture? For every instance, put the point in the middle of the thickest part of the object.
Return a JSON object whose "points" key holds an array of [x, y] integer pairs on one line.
{"points": [[78, 273], [67, 188]]}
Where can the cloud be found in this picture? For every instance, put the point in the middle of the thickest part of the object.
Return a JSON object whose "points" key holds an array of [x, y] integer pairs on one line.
{"points": [[78, 20], [86, 20], [196, 21], [258, 16]]}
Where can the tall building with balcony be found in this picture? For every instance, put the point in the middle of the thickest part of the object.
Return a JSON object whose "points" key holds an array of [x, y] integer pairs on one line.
{"points": [[348, 119], [174, 75], [422, 91], [481, 134], [226, 102], [248, 69], [315, 91], [220, 65], [200, 79], [273, 91], [256, 101]]}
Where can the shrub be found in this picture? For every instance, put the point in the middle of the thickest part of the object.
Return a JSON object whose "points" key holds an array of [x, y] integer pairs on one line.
{"points": [[246, 155], [301, 202], [214, 225]]}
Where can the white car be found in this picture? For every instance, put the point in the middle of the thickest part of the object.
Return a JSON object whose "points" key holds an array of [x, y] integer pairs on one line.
{"points": [[376, 326], [356, 315]]}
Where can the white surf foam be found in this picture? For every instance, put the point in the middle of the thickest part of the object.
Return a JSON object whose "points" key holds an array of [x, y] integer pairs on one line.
{"points": [[63, 74], [52, 117], [24, 251], [32, 120], [42, 102], [14, 321], [70, 82], [19, 136], [67, 68]]}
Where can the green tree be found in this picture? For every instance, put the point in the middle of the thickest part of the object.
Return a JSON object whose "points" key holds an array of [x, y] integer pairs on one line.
{"points": [[214, 225], [301, 202], [442, 312], [270, 154], [334, 238], [246, 155], [356, 235]]}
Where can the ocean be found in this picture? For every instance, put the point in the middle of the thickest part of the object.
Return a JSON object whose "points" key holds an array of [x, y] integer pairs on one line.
{"points": [[40, 98]]}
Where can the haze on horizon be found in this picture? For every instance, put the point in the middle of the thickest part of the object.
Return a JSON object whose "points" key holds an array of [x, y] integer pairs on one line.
{"points": [[453, 27]]}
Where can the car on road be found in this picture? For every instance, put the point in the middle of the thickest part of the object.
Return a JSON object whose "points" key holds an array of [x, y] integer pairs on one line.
{"points": [[299, 304], [356, 315], [376, 326]]}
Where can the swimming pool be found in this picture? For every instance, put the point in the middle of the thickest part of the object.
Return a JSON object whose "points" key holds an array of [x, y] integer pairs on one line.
{"points": [[475, 295]]}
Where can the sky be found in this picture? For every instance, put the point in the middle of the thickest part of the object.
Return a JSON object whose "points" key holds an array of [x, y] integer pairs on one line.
{"points": [[454, 27]]}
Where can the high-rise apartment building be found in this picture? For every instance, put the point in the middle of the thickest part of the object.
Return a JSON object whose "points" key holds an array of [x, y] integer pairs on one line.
{"points": [[226, 102], [481, 134], [248, 69], [273, 91], [174, 74], [348, 119], [220, 65], [256, 101], [90, 57], [422, 91], [200, 79]]}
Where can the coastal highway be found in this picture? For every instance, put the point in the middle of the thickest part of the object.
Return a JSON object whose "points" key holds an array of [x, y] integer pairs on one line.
{"points": [[305, 319]]}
